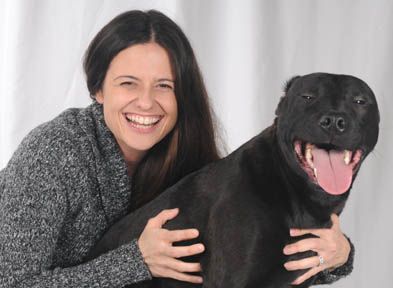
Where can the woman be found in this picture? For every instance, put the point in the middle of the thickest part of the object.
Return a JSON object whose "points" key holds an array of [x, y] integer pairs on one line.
{"points": [[73, 177]]}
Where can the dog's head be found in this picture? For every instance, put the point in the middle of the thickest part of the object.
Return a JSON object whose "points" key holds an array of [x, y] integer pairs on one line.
{"points": [[326, 125]]}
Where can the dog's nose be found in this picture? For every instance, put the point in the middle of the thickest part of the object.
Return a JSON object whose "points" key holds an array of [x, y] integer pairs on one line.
{"points": [[328, 122], [340, 124]]}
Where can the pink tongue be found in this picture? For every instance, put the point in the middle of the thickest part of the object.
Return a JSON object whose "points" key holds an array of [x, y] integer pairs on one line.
{"points": [[332, 174]]}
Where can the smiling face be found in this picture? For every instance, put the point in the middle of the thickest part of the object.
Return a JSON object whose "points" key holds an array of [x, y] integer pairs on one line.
{"points": [[138, 97], [327, 125]]}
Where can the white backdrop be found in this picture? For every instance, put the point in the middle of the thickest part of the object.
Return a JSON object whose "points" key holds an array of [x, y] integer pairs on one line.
{"points": [[246, 49]]}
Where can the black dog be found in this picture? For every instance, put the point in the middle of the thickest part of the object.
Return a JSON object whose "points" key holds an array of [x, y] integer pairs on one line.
{"points": [[296, 173]]}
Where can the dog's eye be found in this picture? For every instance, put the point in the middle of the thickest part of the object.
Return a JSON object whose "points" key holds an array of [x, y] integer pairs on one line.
{"points": [[359, 101], [307, 96]]}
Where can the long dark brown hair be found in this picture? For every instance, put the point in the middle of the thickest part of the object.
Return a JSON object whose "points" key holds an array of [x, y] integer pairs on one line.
{"points": [[191, 144]]}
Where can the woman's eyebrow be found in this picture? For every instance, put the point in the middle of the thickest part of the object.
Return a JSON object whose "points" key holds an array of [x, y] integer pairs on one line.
{"points": [[135, 78], [126, 76], [166, 79]]}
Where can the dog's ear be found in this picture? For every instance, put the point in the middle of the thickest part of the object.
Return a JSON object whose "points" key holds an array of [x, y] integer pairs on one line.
{"points": [[289, 83], [283, 99]]}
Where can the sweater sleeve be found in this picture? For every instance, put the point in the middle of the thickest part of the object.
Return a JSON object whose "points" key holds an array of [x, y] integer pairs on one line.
{"points": [[33, 205]]}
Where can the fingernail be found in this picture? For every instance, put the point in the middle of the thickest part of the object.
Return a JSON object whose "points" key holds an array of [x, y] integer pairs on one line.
{"points": [[286, 251], [292, 231], [201, 247]]}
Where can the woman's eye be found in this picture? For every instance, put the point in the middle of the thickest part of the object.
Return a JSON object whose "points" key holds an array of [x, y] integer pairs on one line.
{"points": [[126, 83], [165, 86]]}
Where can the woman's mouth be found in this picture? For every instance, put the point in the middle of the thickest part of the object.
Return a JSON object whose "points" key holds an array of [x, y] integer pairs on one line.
{"points": [[143, 123]]}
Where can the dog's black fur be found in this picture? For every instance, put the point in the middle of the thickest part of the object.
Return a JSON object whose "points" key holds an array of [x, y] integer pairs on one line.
{"points": [[244, 204]]}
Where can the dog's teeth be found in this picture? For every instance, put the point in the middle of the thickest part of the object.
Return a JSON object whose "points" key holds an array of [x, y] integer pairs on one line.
{"points": [[315, 172], [347, 157], [309, 157]]}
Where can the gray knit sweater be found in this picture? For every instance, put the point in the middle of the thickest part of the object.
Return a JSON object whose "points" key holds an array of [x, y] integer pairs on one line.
{"points": [[63, 187]]}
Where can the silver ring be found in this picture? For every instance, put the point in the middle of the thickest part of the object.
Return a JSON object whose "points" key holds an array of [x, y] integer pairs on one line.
{"points": [[321, 260]]}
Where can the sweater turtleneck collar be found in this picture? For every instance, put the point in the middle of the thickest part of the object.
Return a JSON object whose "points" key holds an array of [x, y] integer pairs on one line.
{"points": [[111, 167]]}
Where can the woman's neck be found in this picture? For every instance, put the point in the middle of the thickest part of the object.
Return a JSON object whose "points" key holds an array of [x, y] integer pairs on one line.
{"points": [[131, 167], [132, 158]]}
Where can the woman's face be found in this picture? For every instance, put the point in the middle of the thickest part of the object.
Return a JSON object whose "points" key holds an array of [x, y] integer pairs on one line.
{"points": [[138, 98]]}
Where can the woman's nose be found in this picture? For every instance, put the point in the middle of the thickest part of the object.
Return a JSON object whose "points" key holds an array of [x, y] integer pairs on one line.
{"points": [[145, 99]]}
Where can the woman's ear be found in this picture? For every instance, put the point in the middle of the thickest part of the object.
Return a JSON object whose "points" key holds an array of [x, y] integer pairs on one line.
{"points": [[99, 97]]}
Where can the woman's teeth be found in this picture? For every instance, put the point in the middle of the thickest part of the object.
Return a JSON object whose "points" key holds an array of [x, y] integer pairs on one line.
{"points": [[143, 120]]}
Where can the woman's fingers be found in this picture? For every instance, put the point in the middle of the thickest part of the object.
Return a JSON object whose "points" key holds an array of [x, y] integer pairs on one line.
{"points": [[331, 246], [307, 275], [300, 232], [335, 221], [185, 277], [317, 232], [181, 235], [304, 263], [184, 251], [162, 217], [180, 266], [169, 273], [159, 254], [313, 244]]}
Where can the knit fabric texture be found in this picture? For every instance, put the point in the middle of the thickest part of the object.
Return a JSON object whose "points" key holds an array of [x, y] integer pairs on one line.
{"points": [[65, 185]]}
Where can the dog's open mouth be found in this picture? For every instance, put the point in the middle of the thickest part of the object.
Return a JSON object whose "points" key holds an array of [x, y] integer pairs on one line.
{"points": [[328, 166]]}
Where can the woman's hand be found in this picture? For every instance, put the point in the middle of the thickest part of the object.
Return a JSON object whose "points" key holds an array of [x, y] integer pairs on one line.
{"points": [[155, 244], [331, 245]]}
